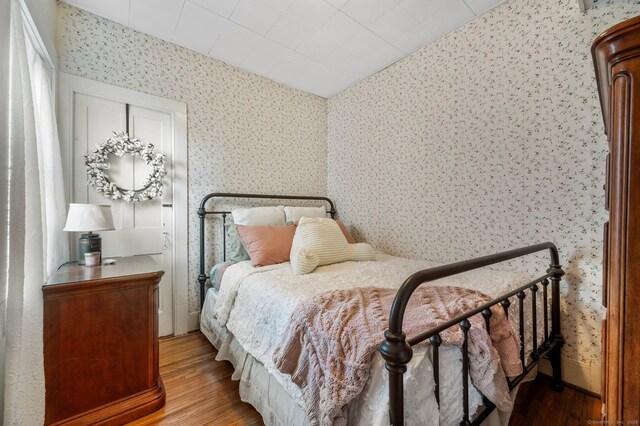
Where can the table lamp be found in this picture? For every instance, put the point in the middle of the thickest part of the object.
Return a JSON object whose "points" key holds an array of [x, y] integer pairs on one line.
{"points": [[88, 218]]}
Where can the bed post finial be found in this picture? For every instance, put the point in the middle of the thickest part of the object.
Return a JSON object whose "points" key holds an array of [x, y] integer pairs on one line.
{"points": [[556, 335], [397, 352]]}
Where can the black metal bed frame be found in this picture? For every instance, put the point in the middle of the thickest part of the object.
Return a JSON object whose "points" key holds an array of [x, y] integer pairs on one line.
{"points": [[397, 350]]}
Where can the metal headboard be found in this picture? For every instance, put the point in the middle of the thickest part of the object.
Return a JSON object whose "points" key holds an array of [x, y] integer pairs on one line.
{"points": [[202, 214]]}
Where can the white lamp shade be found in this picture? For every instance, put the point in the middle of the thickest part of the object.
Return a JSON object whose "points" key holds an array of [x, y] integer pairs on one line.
{"points": [[89, 217]]}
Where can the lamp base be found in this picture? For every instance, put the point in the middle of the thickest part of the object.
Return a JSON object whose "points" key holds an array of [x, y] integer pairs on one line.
{"points": [[89, 243]]}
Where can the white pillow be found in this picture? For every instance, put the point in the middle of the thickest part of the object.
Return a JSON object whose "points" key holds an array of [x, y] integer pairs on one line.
{"points": [[320, 241], [293, 214], [259, 216]]}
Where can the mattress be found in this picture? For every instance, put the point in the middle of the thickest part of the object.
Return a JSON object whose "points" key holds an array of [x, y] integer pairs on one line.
{"points": [[246, 318]]}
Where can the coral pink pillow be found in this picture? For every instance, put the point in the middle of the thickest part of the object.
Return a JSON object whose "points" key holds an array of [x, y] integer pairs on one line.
{"points": [[267, 245], [346, 232]]}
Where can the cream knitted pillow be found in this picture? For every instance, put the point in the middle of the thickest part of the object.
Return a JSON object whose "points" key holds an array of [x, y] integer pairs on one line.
{"points": [[320, 241]]}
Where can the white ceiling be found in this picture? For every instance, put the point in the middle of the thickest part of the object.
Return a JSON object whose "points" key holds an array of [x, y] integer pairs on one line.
{"points": [[319, 46]]}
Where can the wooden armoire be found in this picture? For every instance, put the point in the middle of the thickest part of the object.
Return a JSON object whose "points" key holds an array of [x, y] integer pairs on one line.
{"points": [[616, 55]]}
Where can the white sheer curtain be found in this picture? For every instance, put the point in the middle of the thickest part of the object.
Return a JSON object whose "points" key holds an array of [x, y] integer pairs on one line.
{"points": [[36, 210]]}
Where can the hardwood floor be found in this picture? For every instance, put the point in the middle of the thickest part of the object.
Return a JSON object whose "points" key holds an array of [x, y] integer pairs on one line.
{"points": [[199, 388], [536, 404], [200, 392]]}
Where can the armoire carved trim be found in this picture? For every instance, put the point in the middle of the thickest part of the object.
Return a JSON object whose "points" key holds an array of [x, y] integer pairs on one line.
{"points": [[616, 55]]}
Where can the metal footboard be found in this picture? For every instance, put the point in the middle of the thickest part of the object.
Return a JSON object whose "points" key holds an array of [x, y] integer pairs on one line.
{"points": [[397, 348]]}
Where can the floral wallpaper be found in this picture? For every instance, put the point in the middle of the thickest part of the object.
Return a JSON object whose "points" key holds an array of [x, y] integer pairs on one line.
{"points": [[488, 139], [246, 133]]}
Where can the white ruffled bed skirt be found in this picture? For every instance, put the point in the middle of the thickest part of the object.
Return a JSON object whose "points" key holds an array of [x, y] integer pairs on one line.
{"points": [[257, 386]]}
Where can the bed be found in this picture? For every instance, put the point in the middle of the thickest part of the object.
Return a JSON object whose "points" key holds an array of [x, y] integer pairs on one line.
{"points": [[410, 381]]}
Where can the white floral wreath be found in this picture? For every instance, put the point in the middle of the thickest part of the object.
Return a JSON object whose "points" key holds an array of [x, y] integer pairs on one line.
{"points": [[98, 163]]}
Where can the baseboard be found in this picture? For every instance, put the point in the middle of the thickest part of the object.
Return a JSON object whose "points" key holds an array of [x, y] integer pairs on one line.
{"points": [[585, 377], [194, 321]]}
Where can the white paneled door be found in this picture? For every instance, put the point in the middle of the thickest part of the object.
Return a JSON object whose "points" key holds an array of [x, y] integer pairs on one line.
{"points": [[142, 228]]}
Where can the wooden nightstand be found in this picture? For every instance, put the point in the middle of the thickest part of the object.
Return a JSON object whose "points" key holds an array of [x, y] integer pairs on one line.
{"points": [[101, 343]]}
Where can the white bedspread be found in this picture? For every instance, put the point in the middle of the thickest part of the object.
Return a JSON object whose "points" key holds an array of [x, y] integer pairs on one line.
{"points": [[255, 305]]}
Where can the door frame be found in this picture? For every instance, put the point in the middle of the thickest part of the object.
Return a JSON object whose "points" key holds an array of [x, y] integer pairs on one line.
{"points": [[68, 86]]}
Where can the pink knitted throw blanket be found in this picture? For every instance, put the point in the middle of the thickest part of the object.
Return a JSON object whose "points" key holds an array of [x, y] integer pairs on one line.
{"points": [[328, 345]]}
